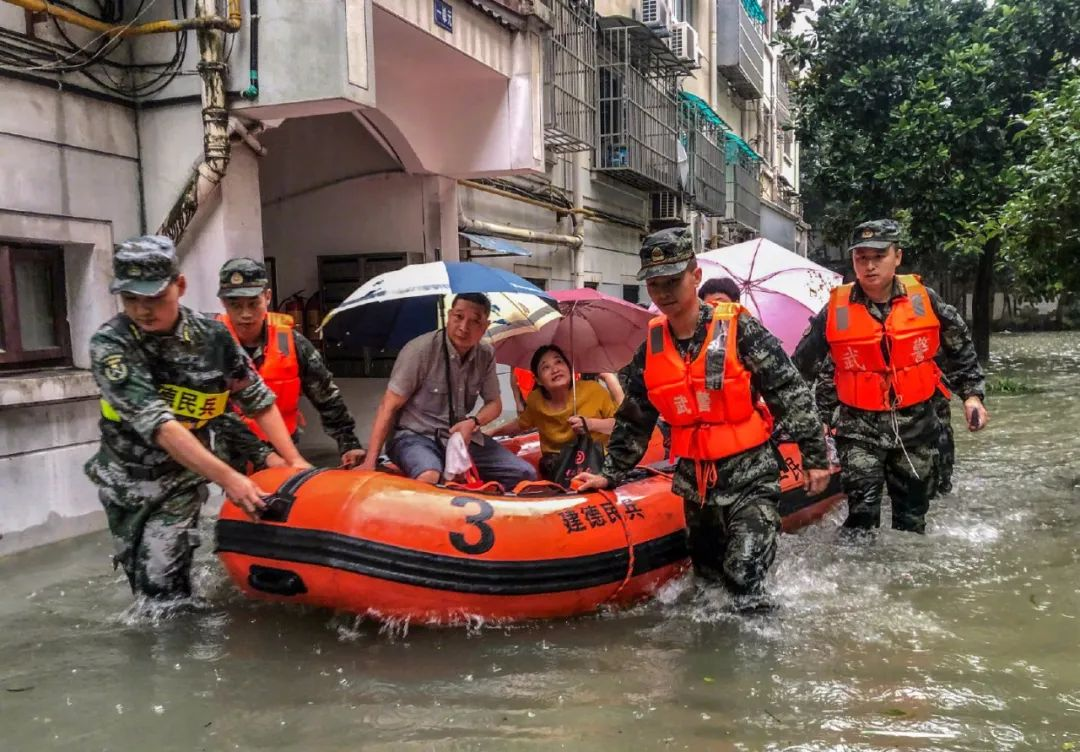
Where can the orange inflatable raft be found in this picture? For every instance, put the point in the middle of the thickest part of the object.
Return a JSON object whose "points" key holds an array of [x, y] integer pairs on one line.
{"points": [[380, 544]]}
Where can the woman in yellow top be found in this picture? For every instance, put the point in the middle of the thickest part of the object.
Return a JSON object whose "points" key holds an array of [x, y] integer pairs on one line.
{"points": [[549, 408]]}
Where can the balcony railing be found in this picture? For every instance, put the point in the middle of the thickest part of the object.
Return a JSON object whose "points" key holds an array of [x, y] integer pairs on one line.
{"points": [[570, 77], [702, 132], [743, 183], [740, 46], [637, 110]]}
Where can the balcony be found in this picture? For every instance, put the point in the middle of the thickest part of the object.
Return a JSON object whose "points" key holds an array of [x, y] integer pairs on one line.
{"points": [[638, 113], [702, 132], [783, 101], [740, 46], [570, 77], [743, 167]]}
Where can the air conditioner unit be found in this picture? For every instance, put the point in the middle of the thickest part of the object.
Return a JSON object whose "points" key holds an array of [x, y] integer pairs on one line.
{"points": [[684, 42], [666, 206], [656, 14]]}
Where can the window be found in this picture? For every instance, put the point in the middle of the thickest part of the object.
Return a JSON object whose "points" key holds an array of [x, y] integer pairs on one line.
{"points": [[631, 293], [592, 285], [33, 309], [684, 10], [541, 283]]}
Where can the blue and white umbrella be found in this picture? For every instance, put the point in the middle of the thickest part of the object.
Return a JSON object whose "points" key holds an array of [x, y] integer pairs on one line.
{"points": [[393, 308]]}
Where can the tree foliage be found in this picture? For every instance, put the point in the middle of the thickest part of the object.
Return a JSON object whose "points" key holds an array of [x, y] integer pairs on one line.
{"points": [[1039, 224], [912, 108]]}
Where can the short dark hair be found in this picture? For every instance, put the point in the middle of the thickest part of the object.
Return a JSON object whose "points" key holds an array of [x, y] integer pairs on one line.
{"points": [[724, 285], [534, 364], [476, 298]]}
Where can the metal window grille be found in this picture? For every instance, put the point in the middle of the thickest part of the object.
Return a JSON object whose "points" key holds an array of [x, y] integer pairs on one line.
{"points": [[744, 189], [740, 49], [570, 77], [704, 143], [638, 114]]}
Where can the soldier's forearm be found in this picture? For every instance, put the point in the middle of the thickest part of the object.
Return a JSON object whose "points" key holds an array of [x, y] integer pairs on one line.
{"points": [[183, 447], [271, 423]]}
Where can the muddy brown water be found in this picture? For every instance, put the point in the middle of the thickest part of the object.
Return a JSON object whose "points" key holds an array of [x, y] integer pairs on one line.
{"points": [[965, 639]]}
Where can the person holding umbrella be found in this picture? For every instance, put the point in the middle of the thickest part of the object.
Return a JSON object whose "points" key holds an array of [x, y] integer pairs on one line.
{"points": [[698, 369], [560, 409]]}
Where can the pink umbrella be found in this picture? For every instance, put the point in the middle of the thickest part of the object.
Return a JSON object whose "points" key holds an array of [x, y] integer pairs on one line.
{"points": [[782, 289], [597, 332]]}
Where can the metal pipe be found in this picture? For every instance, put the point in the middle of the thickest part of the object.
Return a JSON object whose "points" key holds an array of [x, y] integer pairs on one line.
{"points": [[515, 197], [252, 91], [209, 21], [209, 173], [238, 127], [577, 252], [465, 224]]}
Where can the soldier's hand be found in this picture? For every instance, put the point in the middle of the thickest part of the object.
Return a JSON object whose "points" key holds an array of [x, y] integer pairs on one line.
{"points": [[300, 464], [583, 482], [244, 493], [369, 462], [975, 414], [275, 460], [815, 481], [352, 458]]}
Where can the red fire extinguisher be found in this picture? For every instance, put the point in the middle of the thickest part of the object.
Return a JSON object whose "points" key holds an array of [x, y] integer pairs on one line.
{"points": [[294, 306]]}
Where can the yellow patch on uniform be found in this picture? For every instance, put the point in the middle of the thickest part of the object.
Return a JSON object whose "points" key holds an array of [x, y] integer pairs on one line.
{"points": [[657, 254], [236, 279], [115, 368], [867, 233]]}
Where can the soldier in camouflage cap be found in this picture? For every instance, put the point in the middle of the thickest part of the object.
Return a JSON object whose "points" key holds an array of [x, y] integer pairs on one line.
{"points": [[727, 471], [872, 350], [287, 361], [165, 373]]}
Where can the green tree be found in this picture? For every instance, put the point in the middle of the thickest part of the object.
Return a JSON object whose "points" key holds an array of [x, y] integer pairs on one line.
{"points": [[909, 107], [1039, 225]]}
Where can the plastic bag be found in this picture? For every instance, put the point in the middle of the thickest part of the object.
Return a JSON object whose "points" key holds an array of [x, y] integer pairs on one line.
{"points": [[580, 456]]}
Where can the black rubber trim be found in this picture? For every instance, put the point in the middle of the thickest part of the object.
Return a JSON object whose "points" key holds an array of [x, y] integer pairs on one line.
{"points": [[440, 572], [280, 503], [797, 499]]}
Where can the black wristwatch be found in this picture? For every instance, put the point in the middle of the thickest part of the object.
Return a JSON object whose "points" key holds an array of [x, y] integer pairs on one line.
{"points": [[475, 420]]}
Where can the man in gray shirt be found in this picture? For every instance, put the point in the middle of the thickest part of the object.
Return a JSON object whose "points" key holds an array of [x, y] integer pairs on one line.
{"points": [[435, 383]]}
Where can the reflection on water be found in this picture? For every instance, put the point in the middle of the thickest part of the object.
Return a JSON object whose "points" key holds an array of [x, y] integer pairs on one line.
{"points": [[965, 639]]}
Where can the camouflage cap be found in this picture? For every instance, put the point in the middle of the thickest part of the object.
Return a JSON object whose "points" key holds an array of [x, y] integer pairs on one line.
{"points": [[878, 233], [242, 278], [666, 252], [144, 265]]}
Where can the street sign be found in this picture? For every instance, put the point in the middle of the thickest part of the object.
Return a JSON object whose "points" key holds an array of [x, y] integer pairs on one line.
{"points": [[444, 15]]}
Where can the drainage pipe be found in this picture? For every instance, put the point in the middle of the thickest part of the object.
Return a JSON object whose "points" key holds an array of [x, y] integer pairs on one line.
{"points": [[465, 224], [209, 173], [578, 164]]}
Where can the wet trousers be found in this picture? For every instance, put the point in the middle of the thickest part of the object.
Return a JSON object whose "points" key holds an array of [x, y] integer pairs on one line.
{"points": [[867, 470]]}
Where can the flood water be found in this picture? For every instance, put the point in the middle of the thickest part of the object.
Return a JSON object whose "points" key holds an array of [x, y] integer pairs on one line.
{"points": [[965, 639]]}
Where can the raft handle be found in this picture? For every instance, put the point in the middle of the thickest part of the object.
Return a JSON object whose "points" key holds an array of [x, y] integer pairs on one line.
{"points": [[276, 581]]}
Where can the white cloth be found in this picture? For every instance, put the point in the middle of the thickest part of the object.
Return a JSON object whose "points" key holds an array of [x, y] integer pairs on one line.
{"points": [[458, 460]]}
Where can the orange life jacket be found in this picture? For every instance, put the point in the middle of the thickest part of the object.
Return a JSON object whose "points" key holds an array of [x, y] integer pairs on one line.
{"points": [[280, 369], [881, 366], [706, 424]]}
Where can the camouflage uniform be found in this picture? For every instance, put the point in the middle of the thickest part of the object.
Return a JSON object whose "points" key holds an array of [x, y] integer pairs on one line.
{"points": [[151, 501], [899, 448], [733, 531], [233, 440]]}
